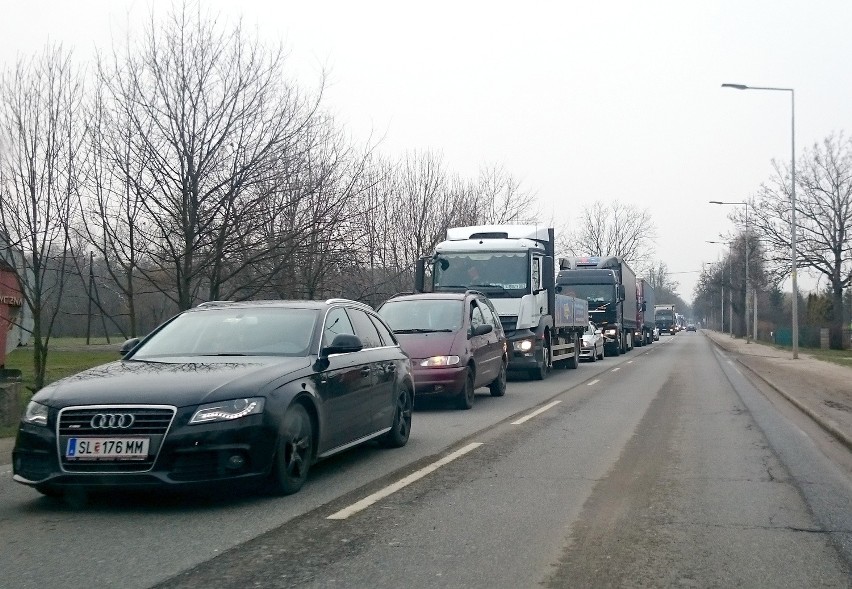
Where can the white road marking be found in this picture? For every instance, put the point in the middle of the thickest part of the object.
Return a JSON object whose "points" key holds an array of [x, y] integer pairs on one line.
{"points": [[630, 361], [596, 381], [536, 412], [404, 482], [616, 369]]}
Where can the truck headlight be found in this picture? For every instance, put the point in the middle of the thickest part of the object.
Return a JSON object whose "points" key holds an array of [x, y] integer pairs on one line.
{"points": [[227, 410], [524, 345], [610, 332], [440, 361]]}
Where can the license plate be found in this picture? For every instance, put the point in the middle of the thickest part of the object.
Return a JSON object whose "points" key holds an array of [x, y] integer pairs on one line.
{"points": [[107, 448]]}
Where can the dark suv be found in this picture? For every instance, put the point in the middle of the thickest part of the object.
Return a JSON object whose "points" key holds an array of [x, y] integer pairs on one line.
{"points": [[455, 342]]}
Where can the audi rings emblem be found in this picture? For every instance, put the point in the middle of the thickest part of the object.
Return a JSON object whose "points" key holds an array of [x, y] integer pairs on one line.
{"points": [[112, 421]]}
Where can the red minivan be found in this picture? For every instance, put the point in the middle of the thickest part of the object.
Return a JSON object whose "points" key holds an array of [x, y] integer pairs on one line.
{"points": [[455, 342]]}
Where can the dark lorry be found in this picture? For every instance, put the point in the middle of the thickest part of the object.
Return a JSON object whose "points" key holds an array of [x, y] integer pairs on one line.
{"points": [[609, 285], [664, 316]]}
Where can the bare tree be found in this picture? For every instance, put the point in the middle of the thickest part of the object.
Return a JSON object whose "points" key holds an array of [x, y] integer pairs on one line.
{"points": [[113, 204], [500, 198], [213, 120], [40, 136], [824, 219], [613, 229]]}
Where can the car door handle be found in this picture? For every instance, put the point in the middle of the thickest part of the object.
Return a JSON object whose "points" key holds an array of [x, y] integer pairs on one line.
{"points": [[365, 371]]}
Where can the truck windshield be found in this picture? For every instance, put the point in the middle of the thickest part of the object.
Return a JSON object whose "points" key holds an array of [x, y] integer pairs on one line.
{"points": [[664, 315], [595, 294], [498, 274]]}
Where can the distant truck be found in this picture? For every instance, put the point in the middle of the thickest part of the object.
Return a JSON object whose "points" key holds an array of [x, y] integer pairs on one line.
{"points": [[514, 266], [645, 321], [666, 319], [609, 286]]}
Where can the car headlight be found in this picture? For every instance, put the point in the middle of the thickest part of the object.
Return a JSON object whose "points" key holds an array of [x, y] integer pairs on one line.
{"points": [[524, 345], [440, 361], [610, 332], [227, 410], [36, 414]]}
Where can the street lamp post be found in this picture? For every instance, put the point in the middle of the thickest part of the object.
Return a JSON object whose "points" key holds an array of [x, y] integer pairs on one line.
{"points": [[730, 292], [745, 315], [793, 261]]}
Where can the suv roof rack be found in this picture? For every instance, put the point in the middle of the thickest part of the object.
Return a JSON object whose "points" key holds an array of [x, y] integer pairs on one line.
{"points": [[348, 301], [214, 304]]}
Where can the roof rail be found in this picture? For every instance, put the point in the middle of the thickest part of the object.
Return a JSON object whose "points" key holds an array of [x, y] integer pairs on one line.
{"points": [[403, 293], [213, 304], [348, 301]]}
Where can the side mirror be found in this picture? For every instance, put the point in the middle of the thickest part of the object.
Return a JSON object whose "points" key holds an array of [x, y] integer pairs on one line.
{"points": [[128, 345], [481, 329], [644, 306], [621, 292], [343, 343]]}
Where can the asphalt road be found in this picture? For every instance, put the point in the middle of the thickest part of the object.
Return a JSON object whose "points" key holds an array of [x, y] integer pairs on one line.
{"points": [[662, 467]]}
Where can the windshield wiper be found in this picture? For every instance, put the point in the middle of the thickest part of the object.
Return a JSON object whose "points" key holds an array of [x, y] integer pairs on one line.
{"points": [[500, 286], [421, 330], [226, 354]]}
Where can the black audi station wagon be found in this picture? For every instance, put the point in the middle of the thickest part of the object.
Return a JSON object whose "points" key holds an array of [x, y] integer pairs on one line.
{"points": [[232, 391]]}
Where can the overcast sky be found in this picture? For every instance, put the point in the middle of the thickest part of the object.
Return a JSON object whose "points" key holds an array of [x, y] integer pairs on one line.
{"points": [[581, 101]]}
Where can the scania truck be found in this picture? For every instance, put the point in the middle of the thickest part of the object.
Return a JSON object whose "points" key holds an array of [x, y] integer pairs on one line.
{"points": [[514, 266], [665, 318], [609, 286]]}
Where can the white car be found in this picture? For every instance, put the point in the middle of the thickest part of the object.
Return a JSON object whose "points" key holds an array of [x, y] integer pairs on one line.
{"points": [[592, 347]]}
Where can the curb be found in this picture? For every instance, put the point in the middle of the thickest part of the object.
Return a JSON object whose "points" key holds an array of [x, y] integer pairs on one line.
{"points": [[825, 423]]}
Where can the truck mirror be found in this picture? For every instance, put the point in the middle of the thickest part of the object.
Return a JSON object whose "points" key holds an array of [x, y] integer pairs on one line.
{"points": [[621, 292], [419, 274], [644, 306]]}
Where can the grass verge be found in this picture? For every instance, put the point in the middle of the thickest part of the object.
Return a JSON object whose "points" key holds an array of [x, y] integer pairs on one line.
{"points": [[66, 356]]}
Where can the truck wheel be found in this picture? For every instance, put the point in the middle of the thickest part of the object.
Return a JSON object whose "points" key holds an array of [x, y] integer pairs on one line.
{"points": [[574, 361], [541, 371]]}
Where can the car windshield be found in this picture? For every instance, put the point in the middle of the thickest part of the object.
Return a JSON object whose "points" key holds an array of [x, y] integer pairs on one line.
{"points": [[423, 315], [234, 332]]}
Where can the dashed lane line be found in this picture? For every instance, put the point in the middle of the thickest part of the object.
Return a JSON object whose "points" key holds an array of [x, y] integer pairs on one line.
{"points": [[536, 412], [596, 381], [616, 369], [404, 482]]}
